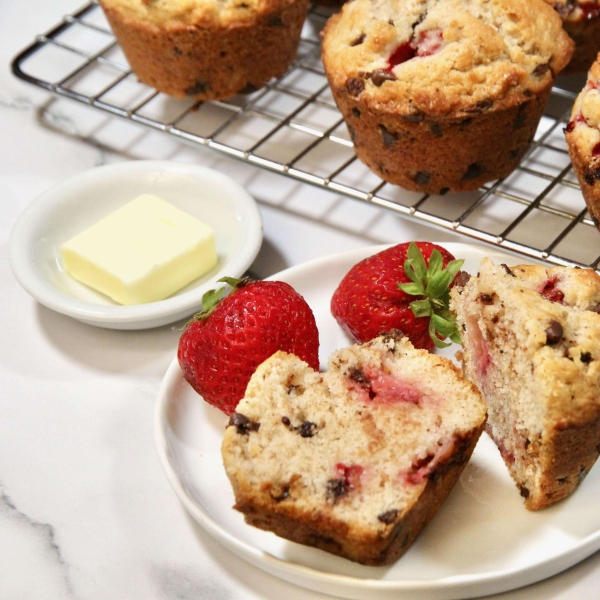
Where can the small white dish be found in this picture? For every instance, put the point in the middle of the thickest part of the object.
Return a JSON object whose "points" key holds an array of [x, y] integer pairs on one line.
{"points": [[482, 541], [73, 205]]}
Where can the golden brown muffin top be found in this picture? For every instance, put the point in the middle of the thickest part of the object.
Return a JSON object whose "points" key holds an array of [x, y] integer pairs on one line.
{"points": [[177, 13], [574, 11], [444, 57]]}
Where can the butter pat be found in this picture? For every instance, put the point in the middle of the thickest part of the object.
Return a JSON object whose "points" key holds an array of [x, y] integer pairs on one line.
{"points": [[143, 252]]}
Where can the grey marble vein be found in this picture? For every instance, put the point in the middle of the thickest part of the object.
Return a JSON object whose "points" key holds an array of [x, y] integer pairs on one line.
{"points": [[45, 532]]}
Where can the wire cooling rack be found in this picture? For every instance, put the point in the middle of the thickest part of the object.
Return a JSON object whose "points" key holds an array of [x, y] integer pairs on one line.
{"points": [[292, 126]]}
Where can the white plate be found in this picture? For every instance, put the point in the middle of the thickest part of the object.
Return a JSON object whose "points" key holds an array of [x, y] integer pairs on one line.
{"points": [[482, 541], [75, 204]]}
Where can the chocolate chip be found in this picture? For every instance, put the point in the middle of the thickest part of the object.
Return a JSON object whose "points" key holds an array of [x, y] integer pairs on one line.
{"points": [[521, 116], [307, 429], [285, 493], [507, 269], [380, 76], [486, 299], [355, 86], [285, 421], [562, 480], [356, 112], [177, 51], [474, 171], [586, 357], [554, 333], [388, 137], [461, 279], [422, 177], [541, 70], [389, 516], [413, 118], [275, 21], [357, 375], [198, 88], [359, 40], [336, 488], [444, 191], [591, 175], [436, 129], [524, 491], [249, 88], [393, 335], [242, 423]]}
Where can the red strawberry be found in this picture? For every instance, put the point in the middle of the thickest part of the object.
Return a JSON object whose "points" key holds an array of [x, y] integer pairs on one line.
{"points": [[222, 346], [378, 294]]}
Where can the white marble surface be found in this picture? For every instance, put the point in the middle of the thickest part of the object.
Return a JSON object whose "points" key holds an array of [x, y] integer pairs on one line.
{"points": [[85, 511]]}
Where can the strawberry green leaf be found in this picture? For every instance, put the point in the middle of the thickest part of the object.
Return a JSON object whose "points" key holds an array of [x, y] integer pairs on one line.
{"points": [[421, 308], [443, 326], [431, 281], [211, 298], [436, 263], [412, 289]]}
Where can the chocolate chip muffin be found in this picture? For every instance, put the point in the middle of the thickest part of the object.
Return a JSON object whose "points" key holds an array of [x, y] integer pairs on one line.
{"points": [[583, 141], [581, 20], [207, 49], [357, 460], [443, 94], [530, 344]]}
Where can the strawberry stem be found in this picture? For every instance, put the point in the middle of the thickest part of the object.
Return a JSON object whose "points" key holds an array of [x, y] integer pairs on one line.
{"points": [[432, 281]]}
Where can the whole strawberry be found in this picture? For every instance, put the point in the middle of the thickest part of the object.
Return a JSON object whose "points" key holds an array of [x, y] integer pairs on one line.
{"points": [[222, 346], [404, 287]]}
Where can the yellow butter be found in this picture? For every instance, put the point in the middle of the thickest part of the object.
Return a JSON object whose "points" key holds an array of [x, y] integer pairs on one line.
{"points": [[143, 252]]}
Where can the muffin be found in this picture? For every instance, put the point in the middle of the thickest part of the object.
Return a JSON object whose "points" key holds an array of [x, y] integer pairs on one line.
{"points": [[355, 461], [443, 95], [207, 49], [581, 20], [583, 140], [531, 344]]}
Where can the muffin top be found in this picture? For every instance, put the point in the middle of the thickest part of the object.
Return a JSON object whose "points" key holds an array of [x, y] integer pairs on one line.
{"points": [[444, 57], [168, 14], [574, 11], [583, 129]]}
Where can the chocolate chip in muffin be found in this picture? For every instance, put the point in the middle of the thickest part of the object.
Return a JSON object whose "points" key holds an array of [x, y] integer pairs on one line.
{"points": [[380, 76], [586, 357], [389, 516], [521, 117], [507, 269], [413, 118], [275, 21], [356, 112], [355, 86], [200, 87], [359, 40], [336, 488], [242, 423], [436, 129], [554, 333], [388, 137], [475, 170], [422, 177], [307, 429]]}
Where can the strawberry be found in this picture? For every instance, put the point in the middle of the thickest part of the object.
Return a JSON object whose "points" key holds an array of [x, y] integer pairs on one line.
{"points": [[405, 287], [222, 345]]}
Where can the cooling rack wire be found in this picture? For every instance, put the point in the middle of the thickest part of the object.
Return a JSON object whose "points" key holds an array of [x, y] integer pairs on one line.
{"points": [[292, 127]]}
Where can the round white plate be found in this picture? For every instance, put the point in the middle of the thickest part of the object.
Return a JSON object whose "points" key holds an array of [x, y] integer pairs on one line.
{"points": [[482, 541], [73, 205]]}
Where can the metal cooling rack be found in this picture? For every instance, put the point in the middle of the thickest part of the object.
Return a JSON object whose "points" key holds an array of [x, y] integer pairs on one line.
{"points": [[292, 127]]}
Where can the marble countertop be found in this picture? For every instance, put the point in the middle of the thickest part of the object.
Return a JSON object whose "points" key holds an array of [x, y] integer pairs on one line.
{"points": [[85, 510]]}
